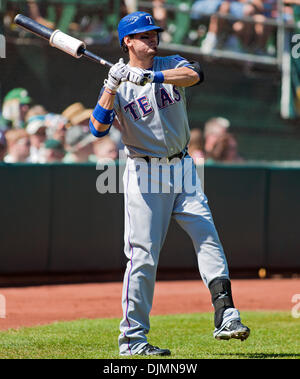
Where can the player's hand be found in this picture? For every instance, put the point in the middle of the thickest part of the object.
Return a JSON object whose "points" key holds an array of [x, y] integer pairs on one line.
{"points": [[139, 76], [116, 75]]}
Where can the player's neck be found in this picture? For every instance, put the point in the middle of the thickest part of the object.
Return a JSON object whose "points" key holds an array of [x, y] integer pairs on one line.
{"points": [[144, 63]]}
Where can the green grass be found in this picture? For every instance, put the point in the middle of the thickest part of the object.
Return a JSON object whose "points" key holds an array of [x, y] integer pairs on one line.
{"points": [[189, 336]]}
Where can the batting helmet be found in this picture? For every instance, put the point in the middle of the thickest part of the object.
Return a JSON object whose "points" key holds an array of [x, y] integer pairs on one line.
{"points": [[136, 22]]}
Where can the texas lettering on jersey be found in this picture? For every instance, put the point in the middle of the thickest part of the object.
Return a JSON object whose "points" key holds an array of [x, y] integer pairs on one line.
{"points": [[141, 107]]}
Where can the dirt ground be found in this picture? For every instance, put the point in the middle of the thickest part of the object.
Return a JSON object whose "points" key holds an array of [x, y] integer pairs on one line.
{"points": [[37, 305]]}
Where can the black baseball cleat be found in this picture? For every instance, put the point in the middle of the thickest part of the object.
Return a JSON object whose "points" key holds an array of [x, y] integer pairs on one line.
{"points": [[153, 350], [233, 329]]}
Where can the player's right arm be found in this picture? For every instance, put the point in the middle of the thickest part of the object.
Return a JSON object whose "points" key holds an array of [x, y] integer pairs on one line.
{"points": [[106, 102], [103, 114]]}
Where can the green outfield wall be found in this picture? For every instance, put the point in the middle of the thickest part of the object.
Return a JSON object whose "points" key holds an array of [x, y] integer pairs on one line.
{"points": [[53, 220]]}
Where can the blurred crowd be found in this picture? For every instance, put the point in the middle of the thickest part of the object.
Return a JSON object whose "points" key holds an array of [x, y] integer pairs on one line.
{"points": [[214, 143], [245, 29], [31, 134], [235, 25]]}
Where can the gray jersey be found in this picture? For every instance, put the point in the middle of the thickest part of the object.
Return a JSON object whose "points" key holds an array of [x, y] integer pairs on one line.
{"points": [[153, 117]]}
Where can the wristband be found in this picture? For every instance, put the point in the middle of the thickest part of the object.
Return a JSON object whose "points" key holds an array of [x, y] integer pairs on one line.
{"points": [[95, 132], [109, 91], [158, 77], [102, 115]]}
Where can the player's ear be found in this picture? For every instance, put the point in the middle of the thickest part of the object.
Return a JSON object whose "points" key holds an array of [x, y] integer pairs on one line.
{"points": [[127, 41]]}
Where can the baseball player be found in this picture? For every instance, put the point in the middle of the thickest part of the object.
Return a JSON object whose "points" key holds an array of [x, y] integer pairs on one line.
{"points": [[148, 96]]}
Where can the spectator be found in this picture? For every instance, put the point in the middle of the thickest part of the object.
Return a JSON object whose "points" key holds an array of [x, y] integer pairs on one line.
{"points": [[71, 110], [196, 145], [56, 126], [36, 129], [218, 25], [213, 129], [255, 36], [82, 118], [160, 13], [225, 149], [18, 146], [291, 2], [202, 8], [262, 32], [251, 35], [131, 5], [4, 124], [77, 114], [79, 144], [3, 146], [35, 14], [35, 110], [53, 151], [105, 149], [15, 105]]}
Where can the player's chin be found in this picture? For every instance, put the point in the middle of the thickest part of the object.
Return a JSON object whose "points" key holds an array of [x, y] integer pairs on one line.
{"points": [[152, 50]]}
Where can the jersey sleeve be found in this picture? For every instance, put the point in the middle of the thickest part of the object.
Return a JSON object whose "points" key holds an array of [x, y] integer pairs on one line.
{"points": [[176, 61]]}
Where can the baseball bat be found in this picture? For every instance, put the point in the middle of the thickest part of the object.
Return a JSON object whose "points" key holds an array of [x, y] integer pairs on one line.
{"points": [[60, 40]]}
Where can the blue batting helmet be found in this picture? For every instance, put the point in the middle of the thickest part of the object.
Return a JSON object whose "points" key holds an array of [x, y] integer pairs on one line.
{"points": [[136, 22]]}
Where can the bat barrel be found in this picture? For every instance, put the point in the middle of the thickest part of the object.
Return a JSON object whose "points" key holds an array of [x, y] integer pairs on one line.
{"points": [[60, 40], [33, 26]]}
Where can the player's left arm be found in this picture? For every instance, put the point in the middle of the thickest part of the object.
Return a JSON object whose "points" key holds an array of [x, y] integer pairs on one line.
{"points": [[186, 76]]}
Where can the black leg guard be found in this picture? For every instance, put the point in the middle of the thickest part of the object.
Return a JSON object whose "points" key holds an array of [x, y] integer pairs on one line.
{"points": [[221, 297]]}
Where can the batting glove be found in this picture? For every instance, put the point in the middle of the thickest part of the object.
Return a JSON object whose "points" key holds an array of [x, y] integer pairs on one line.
{"points": [[139, 76], [116, 75]]}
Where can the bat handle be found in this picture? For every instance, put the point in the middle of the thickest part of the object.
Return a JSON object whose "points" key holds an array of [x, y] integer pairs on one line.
{"points": [[94, 57], [144, 81]]}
